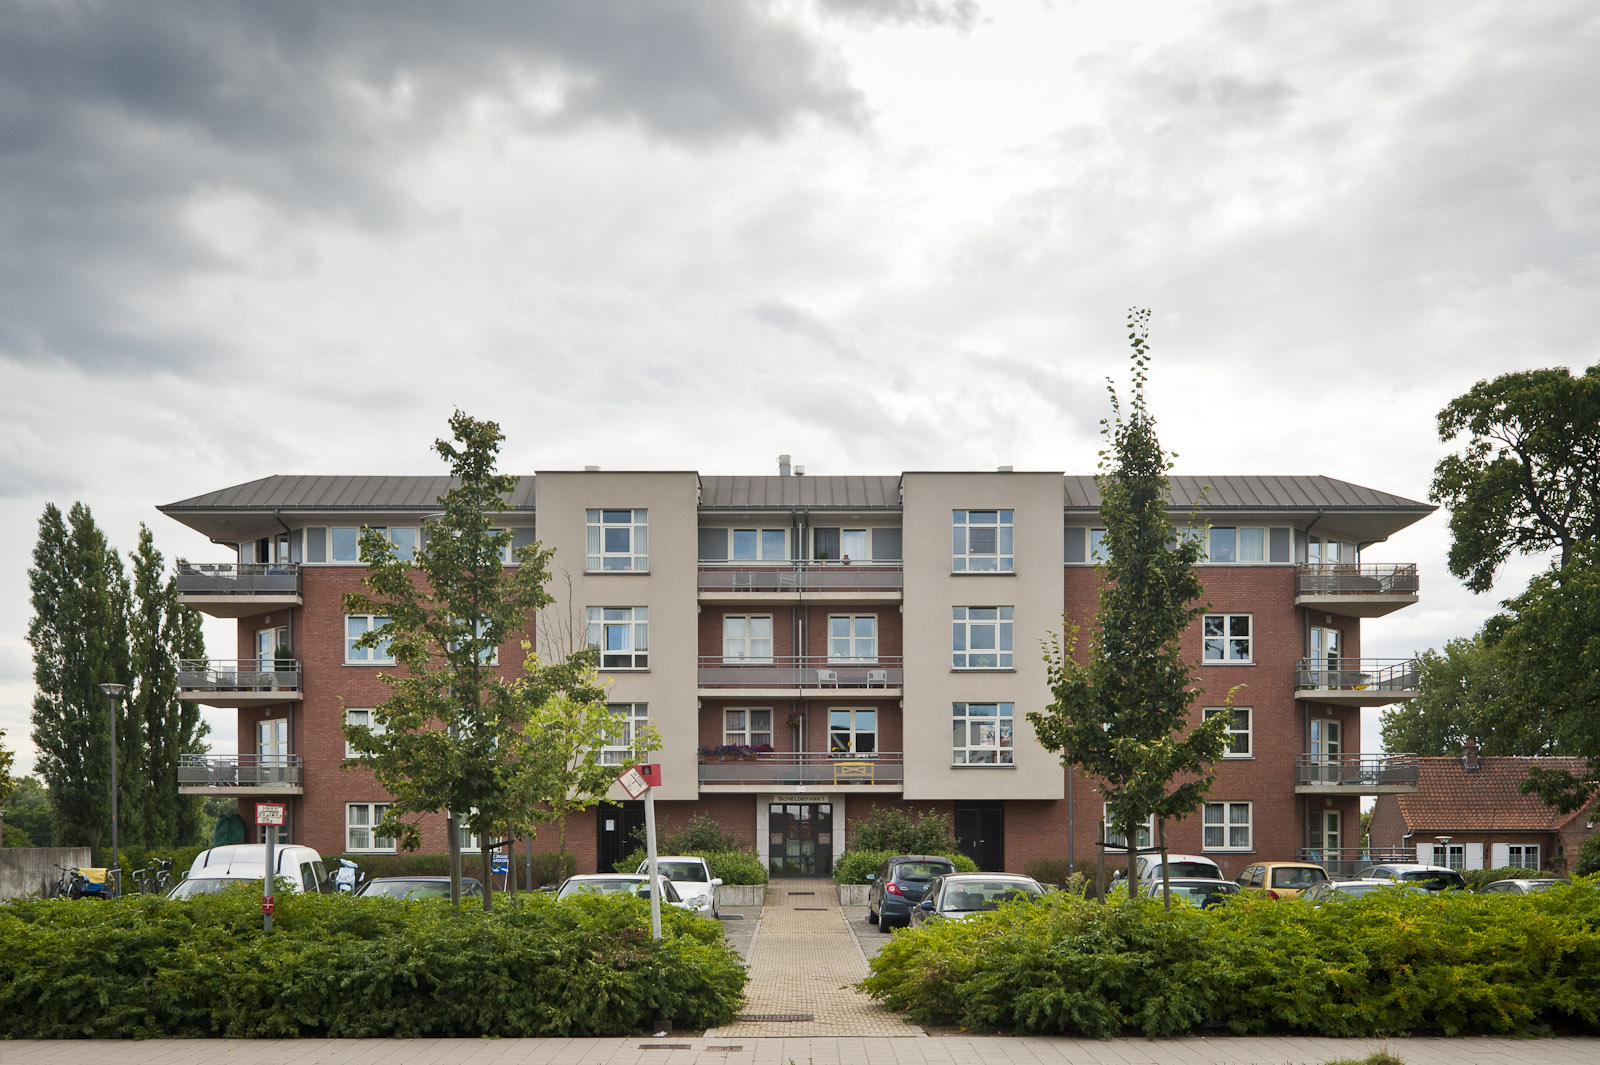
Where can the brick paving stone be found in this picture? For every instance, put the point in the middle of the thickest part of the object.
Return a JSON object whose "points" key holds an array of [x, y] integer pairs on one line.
{"points": [[804, 960]]}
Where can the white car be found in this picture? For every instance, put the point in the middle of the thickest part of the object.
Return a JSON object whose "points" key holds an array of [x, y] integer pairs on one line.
{"points": [[1186, 866], [616, 884], [691, 876]]}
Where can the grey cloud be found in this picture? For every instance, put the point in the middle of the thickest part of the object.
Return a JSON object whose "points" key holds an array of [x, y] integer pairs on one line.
{"points": [[114, 116], [961, 14], [804, 324]]}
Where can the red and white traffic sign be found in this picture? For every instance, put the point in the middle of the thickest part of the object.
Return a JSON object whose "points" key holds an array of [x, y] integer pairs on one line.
{"points": [[633, 782], [271, 813]]}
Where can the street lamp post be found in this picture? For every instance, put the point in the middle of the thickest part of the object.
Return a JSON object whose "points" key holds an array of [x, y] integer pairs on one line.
{"points": [[113, 693]]}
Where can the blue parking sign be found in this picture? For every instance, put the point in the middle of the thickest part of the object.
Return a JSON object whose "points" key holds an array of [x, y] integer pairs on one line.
{"points": [[500, 864]]}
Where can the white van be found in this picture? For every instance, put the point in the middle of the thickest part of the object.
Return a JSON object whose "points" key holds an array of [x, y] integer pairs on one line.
{"points": [[298, 869]]}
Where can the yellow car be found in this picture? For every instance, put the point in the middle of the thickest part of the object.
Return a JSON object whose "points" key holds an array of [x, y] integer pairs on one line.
{"points": [[1282, 880]]}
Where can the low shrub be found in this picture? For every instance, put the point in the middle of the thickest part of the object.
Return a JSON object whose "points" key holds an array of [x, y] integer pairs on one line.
{"points": [[1388, 963], [548, 868], [1588, 857], [854, 866], [336, 966], [731, 867], [1061, 873], [892, 830], [1476, 878]]}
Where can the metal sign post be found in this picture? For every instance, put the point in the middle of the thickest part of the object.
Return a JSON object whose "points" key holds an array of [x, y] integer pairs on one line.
{"points": [[271, 816], [633, 781]]}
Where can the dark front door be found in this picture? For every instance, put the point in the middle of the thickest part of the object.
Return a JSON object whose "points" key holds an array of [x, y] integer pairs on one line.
{"points": [[618, 823], [801, 839], [981, 834]]}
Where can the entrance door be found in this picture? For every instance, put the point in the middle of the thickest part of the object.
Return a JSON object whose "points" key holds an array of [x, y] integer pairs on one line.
{"points": [[1326, 745], [617, 823], [981, 834], [1327, 839], [272, 750], [801, 838], [1324, 654]]}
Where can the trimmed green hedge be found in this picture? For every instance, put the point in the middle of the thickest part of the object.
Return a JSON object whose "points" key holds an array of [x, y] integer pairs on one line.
{"points": [[855, 866], [1476, 878], [548, 868], [731, 867], [343, 967], [1385, 964]]}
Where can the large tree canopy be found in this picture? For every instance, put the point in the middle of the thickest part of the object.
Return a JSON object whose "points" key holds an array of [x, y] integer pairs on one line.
{"points": [[1118, 715], [1528, 478], [1463, 694]]}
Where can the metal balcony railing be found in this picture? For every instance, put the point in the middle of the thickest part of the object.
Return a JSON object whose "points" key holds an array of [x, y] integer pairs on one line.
{"points": [[1340, 578], [1357, 770], [1369, 675], [789, 768], [1343, 863], [800, 672], [237, 675], [802, 577], [238, 578], [239, 770]]}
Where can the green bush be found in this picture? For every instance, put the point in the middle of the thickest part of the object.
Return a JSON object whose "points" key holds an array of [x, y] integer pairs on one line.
{"points": [[1476, 878], [731, 867], [336, 966], [1384, 964], [892, 830], [1062, 873], [1588, 857], [856, 865]]}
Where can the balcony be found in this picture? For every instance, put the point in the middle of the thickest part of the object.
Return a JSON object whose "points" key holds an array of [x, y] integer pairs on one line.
{"points": [[1355, 774], [808, 677], [743, 582], [788, 769], [1356, 681], [238, 590], [1356, 591], [239, 774], [238, 682], [1343, 863]]}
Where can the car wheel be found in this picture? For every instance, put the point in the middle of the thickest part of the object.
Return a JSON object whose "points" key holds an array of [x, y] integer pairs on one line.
{"points": [[872, 918]]}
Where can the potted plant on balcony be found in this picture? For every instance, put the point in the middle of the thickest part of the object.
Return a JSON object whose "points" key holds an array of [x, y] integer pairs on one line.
{"points": [[283, 667]]}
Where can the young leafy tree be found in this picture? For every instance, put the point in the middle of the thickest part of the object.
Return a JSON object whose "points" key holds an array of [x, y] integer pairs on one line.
{"points": [[80, 641], [1464, 694], [8, 783], [451, 725], [1528, 479], [1119, 714]]}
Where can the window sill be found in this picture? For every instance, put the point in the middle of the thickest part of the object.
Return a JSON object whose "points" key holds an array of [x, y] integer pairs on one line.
{"points": [[983, 669], [1238, 758], [616, 573], [983, 765], [983, 573], [1223, 662], [371, 664]]}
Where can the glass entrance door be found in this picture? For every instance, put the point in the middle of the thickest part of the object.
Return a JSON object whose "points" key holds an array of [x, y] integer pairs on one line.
{"points": [[272, 749], [1326, 745], [801, 838]]}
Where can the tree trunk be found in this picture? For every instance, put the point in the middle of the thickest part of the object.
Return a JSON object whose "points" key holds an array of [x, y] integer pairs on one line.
{"points": [[1130, 836], [455, 859], [486, 856]]}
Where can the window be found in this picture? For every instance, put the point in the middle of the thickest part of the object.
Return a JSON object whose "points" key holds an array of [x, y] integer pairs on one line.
{"points": [[981, 733], [1075, 551], [1238, 730], [747, 638], [622, 636], [619, 541], [853, 732], [982, 541], [1144, 835], [360, 823], [622, 746], [489, 655], [981, 638], [1226, 827], [747, 726], [1523, 856], [357, 626], [1453, 856], [468, 838], [853, 638], [267, 643], [835, 544], [361, 717], [1227, 637], [346, 544], [346, 541], [760, 545]]}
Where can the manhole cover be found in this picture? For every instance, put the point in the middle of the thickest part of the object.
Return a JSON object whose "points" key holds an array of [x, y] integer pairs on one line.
{"points": [[777, 1018], [666, 1046], [810, 909], [802, 892], [729, 1047]]}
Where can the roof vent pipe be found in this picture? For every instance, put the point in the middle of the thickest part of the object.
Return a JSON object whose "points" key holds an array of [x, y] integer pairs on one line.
{"points": [[783, 465], [591, 469], [1002, 469], [799, 471]]}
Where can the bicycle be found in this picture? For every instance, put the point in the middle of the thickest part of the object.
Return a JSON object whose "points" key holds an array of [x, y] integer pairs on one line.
{"points": [[155, 878], [70, 883]]}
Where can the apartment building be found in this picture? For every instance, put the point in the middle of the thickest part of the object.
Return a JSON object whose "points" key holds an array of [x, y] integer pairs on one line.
{"points": [[812, 647]]}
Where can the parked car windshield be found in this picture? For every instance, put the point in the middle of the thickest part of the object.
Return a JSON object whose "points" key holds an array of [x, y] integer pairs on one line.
{"points": [[415, 889], [922, 870], [1193, 869], [1202, 894], [692, 872], [192, 887], [972, 895], [1441, 877], [1297, 878]]}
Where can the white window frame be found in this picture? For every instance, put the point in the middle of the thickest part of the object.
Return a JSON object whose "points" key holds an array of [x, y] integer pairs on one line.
{"points": [[1451, 856], [621, 746], [1144, 835], [468, 838], [605, 554], [1000, 742], [1524, 849], [1226, 642], [963, 625], [763, 545], [963, 559], [744, 729], [351, 718], [852, 724], [365, 656], [631, 621], [373, 812], [1234, 732], [1223, 834], [743, 637], [852, 645], [406, 546]]}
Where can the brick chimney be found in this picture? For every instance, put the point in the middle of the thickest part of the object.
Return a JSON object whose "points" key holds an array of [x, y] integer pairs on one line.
{"points": [[1469, 754]]}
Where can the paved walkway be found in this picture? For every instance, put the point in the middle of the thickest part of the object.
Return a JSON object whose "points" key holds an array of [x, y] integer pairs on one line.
{"points": [[803, 962]]}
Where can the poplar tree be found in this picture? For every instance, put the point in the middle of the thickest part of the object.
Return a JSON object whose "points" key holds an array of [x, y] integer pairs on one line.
{"points": [[1119, 714]]}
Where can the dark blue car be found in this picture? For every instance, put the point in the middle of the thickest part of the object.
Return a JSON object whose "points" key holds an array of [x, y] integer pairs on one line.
{"points": [[899, 885]]}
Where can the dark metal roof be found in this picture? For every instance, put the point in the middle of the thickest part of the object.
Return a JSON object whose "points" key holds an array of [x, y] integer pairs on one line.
{"points": [[337, 492], [1258, 493], [749, 492]]}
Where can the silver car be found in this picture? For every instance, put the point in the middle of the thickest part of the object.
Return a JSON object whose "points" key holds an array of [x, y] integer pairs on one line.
{"points": [[957, 896]]}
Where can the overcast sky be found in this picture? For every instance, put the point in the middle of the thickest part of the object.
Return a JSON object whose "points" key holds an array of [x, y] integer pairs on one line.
{"points": [[241, 239]]}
